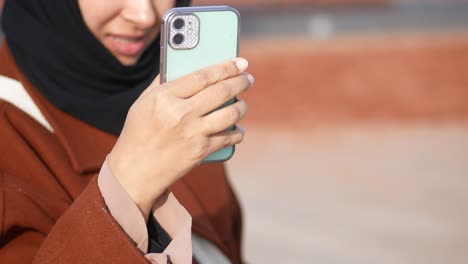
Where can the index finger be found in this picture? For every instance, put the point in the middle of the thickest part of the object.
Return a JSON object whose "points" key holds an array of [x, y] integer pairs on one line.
{"points": [[193, 83]]}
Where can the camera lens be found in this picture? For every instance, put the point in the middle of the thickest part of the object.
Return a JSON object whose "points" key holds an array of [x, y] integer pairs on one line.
{"points": [[178, 39], [179, 23]]}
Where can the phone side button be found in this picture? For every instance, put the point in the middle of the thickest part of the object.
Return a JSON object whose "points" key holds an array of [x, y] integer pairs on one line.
{"points": [[160, 61]]}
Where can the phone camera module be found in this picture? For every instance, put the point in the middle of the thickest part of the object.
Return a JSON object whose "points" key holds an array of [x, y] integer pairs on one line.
{"points": [[179, 23], [183, 31], [178, 39]]}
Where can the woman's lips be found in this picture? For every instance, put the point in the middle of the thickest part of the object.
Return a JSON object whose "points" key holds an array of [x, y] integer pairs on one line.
{"points": [[127, 46]]}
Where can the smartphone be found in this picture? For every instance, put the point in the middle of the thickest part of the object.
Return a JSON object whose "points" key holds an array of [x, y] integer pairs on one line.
{"points": [[193, 38]]}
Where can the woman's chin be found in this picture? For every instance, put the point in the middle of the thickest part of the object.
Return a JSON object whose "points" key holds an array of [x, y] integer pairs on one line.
{"points": [[126, 60]]}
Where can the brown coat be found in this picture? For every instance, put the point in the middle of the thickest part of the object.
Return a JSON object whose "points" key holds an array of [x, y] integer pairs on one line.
{"points": [[51, 209]]}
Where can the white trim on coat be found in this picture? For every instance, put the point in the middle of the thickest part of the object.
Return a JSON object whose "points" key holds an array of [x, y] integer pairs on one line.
{"points": [[13, 92]]}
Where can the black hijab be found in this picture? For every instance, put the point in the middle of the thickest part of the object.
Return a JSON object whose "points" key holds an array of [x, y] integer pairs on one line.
{"points": [[60, 56]]}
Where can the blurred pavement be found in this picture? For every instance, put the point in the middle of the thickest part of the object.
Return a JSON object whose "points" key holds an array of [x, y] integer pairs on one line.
{"points": [[362, 193]]}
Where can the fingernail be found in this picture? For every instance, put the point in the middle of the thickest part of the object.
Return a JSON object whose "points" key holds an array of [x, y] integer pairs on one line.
{"points": [[241, 128], [242, 64], [251, 78]]}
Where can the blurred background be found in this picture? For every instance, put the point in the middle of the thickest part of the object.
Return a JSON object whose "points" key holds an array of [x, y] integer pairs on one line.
{"points": [[357, 136], [357, 143]]}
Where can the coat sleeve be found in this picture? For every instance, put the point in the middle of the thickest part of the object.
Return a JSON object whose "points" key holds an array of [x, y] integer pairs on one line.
{"points": [[85, 233]]}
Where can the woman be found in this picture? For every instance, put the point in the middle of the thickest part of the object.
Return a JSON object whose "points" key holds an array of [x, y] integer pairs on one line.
{"points": [[95, 151]]}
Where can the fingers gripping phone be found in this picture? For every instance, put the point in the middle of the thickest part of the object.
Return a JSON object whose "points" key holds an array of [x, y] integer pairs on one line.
{"points": [[193, 38]]}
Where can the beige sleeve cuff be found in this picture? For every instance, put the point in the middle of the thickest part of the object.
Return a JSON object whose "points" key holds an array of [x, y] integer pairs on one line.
{"points": [[170, 214]]}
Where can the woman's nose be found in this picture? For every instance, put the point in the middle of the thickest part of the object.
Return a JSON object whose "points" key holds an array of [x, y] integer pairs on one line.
{"points": [[142, 13]]}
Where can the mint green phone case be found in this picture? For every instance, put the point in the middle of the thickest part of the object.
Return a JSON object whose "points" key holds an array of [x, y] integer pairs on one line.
{"points": [[218, 41]]}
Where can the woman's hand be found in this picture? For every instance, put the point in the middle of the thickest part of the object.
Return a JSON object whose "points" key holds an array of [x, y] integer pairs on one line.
{"points": [[171, 128]]}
